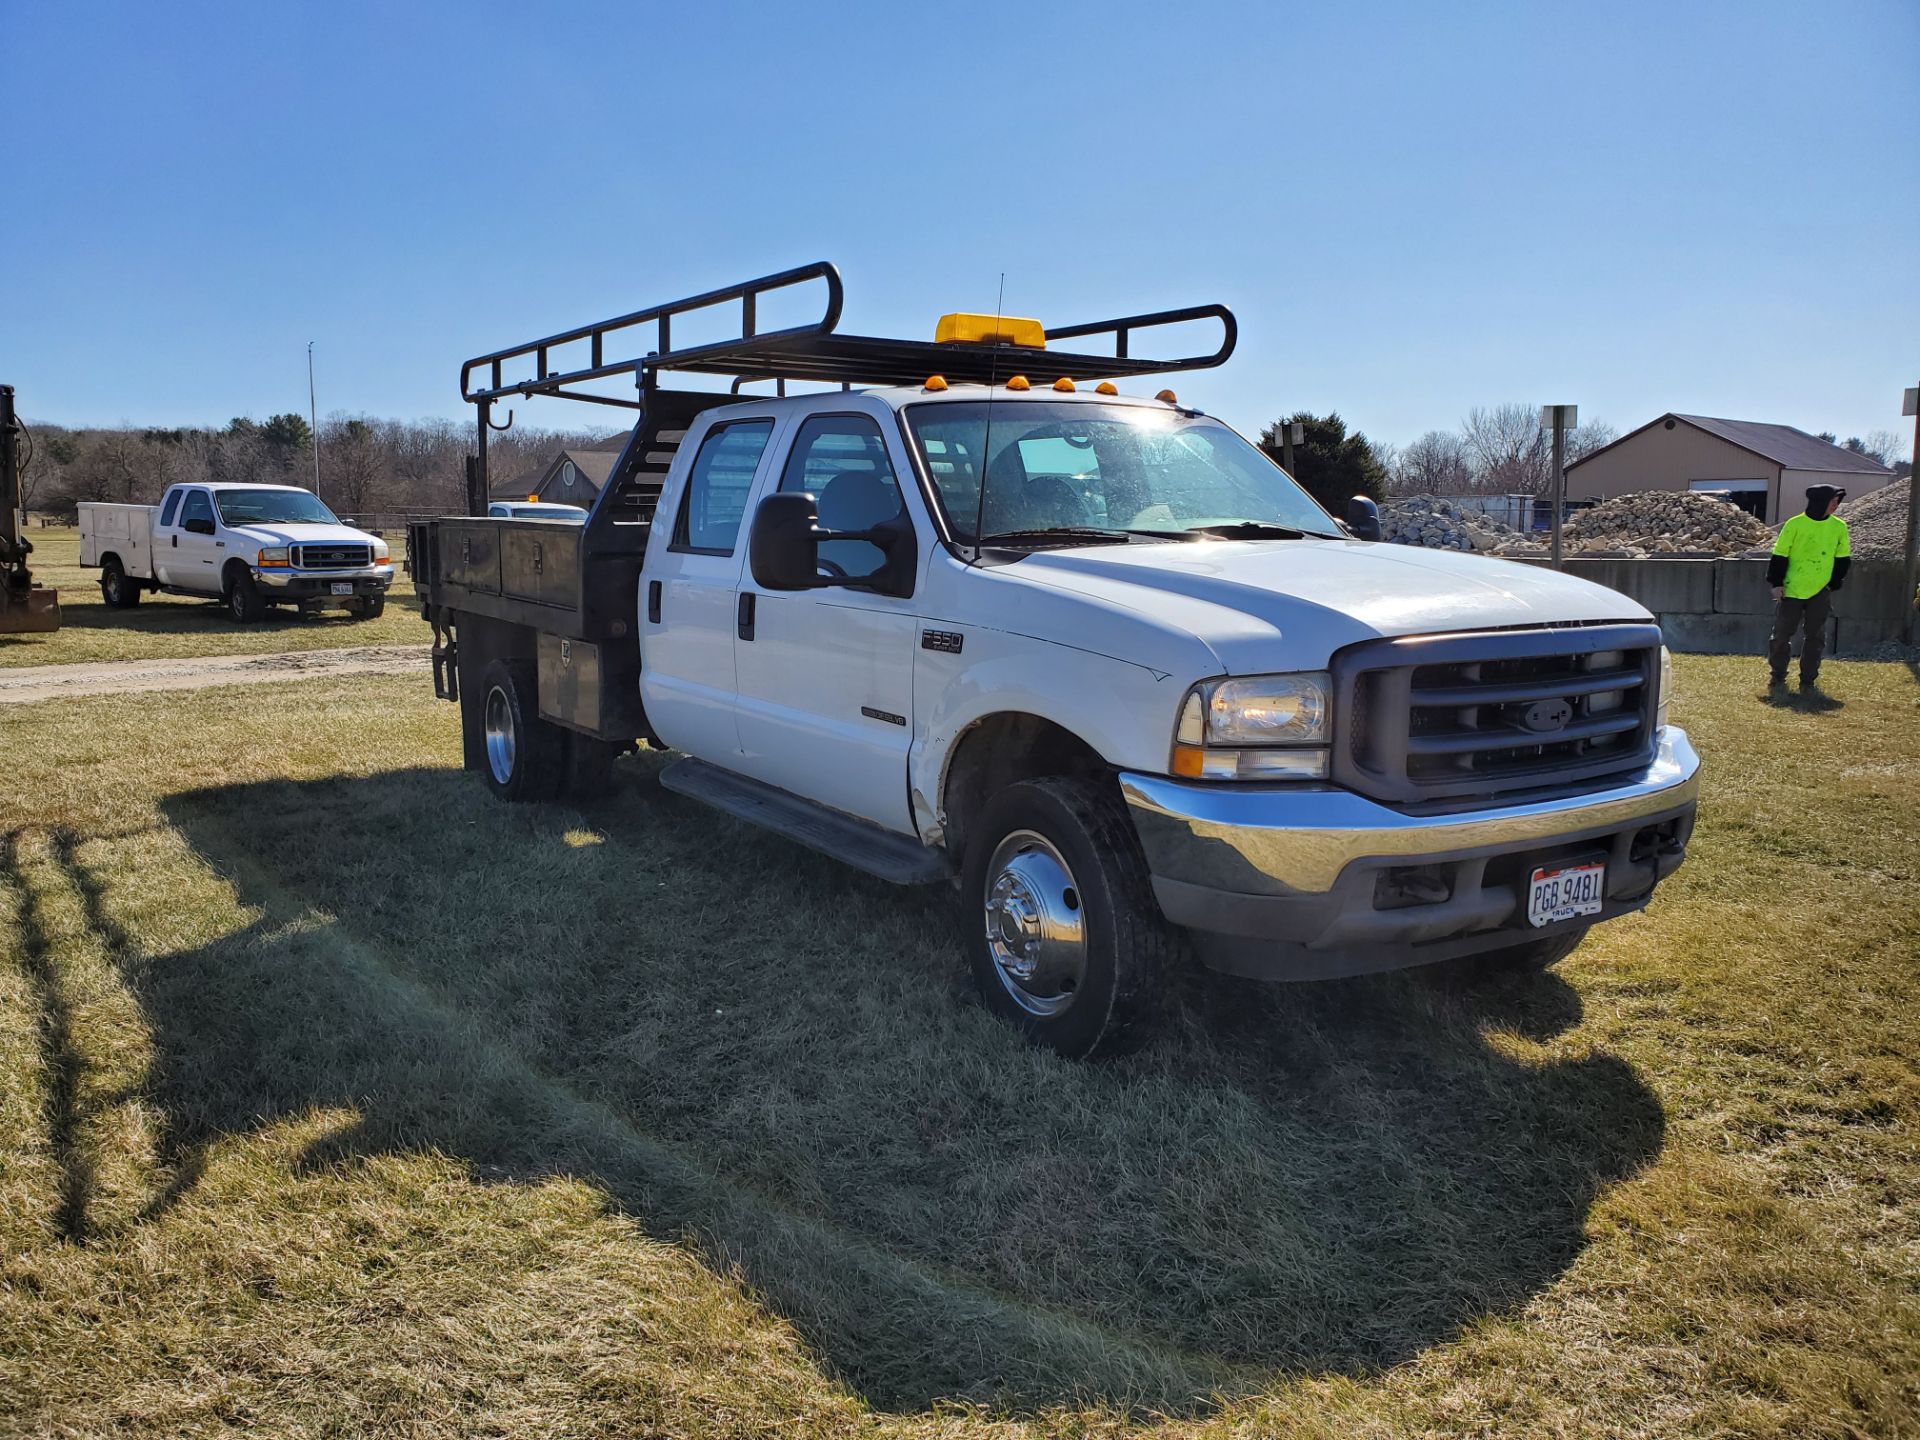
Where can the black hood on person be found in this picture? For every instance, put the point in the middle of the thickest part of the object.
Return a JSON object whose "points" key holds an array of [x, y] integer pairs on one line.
{"points": [[1819, 497]]}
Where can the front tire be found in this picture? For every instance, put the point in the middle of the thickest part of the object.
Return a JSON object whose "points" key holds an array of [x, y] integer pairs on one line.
{"points": [[116, 589], [244, 601], [370, 607], [524, 758], [1062, 933]]}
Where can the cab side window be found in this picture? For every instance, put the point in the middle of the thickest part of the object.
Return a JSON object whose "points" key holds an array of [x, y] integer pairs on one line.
{"points": [[842, 461], [171, 508], [198, 507], [716, 496]]}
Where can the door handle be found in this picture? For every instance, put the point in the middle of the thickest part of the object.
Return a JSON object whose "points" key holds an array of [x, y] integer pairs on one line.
{"points": [[746, 614], [176, 542], [219, 544], [653, 602]]}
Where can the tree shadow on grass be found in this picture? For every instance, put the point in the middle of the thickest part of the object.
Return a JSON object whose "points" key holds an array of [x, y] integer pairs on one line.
{"points": [[781, 1061]]}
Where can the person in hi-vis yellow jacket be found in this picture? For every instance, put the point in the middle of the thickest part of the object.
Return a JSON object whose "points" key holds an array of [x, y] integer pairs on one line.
{"points": [[1810, 561]]}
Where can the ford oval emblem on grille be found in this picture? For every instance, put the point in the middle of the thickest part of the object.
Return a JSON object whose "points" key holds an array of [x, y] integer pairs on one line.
{"points": [[1543, 717]]}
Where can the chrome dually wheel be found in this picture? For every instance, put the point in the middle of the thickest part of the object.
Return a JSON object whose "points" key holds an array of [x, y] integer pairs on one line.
{"points": [[1036, 931]]}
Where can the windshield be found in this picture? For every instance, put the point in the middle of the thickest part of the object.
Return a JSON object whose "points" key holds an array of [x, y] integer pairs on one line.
{"points": [[1066, 466], [272, 507]]}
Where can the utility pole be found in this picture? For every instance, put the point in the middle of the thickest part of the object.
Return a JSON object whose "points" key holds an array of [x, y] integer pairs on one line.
{"points": [[1911, 406], [313, 419], [1561, 418]]}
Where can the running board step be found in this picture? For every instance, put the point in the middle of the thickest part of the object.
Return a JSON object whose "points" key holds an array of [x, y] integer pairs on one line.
{"points": [[896, 858]]}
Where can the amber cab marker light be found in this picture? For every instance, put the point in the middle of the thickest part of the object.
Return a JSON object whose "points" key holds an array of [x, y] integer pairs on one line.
{"points": [[1106, 387], [1063, 385], [935, 383], [1019, 382], [1168, 397]]}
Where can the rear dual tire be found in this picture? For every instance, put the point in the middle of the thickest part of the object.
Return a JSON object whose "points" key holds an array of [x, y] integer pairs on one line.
{"points": [[527, 759]]}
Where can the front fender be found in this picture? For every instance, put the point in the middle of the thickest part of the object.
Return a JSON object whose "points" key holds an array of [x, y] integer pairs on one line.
{"points": [[1124, 711]]}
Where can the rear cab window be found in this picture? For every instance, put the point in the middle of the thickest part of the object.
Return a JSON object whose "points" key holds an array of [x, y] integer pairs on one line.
{"points": [[170, 507], [715, 499]]}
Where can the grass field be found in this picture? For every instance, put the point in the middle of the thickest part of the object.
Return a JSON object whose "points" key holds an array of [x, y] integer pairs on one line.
{"points": [[336, 1098], [165, 627]]}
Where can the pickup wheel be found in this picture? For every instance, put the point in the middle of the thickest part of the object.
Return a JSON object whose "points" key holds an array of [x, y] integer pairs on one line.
{"points": [[1063, 936], [116, 589], [370, 607], [526, 757], [244, 601]]}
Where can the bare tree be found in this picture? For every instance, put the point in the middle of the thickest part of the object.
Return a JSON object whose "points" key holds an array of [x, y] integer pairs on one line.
{"points": [[1511, 454], [1592, 435], [1885, 446], [1435, 464]]}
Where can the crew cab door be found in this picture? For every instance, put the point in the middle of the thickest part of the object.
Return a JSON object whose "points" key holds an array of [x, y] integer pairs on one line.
{"points": [[687, 591], [825, 677], [190, 549]]}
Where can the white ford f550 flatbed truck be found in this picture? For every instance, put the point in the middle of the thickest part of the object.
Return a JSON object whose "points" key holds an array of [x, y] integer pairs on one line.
{"points": [[248, 546], [976, 617]]}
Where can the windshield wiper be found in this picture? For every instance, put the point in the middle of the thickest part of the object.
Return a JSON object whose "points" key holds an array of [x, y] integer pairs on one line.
{"points": [[1069, 533], [1258, 530]]}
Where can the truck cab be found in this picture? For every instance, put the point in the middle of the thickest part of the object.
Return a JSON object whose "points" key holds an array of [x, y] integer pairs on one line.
{"points": [[1095, 660]]}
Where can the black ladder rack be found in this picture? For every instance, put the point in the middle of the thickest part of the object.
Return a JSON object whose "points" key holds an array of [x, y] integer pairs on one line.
{"points": [[814, 352]]}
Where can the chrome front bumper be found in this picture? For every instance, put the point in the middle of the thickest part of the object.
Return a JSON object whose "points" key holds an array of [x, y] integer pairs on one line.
{"points": [[1295, 876]]}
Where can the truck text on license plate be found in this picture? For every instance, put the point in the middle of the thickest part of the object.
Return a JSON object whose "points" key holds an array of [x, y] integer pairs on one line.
{"points": [[343, 587], [1554, 895]]}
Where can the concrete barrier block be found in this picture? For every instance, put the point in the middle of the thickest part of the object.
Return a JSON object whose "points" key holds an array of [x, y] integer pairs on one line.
{"points": [[1874, 591], [1698, 634], [1740, 587]]}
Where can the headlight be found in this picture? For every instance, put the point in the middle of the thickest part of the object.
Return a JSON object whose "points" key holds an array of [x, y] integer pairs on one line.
{"points": [[1666, 689], [272, 557], [380, 552], [1265, 727]]}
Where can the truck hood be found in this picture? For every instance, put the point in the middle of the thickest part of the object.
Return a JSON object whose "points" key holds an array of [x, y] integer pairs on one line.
{"points": [[302, 534], [1264, 605]]}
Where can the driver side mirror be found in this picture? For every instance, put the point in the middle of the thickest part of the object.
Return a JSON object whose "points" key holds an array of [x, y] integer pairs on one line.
{"points": [[197, 526], [1363, 518], [783, 548]]}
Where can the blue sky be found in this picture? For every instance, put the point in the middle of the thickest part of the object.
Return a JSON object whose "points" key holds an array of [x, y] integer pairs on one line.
{"points": [[1413, 209]]}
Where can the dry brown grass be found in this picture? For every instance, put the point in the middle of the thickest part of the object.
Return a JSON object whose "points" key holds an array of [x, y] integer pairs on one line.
{"points": [[167, 627], [335, 1098]]}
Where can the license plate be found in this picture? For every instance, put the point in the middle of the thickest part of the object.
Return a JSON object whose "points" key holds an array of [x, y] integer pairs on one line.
{"points": [[343, 587], [1554, 895]]}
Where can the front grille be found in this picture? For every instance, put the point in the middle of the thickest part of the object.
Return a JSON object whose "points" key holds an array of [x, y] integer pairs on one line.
{"points": [[1495, 713], [332, 557]]}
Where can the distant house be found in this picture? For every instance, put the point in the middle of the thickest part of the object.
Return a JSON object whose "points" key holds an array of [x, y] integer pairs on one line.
{"points": [[573, 477], [1764, 469]]}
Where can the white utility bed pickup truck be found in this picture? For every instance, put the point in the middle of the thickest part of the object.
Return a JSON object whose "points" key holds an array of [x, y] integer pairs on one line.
{"points": [[248, 546], [1093, 658]]}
